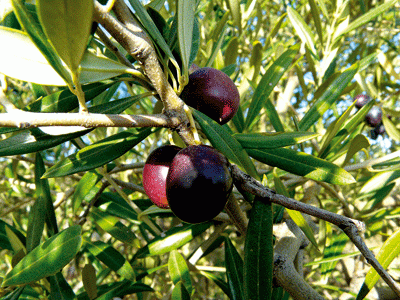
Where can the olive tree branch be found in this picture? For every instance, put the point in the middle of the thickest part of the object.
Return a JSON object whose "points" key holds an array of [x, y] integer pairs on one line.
{"points": [[23, 119], [132, 37], [351, 227]]}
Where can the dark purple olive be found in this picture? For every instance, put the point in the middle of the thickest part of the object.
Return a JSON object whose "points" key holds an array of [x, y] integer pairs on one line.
{"points": [[374, 116], [361, 100], [199, 182], [380, 129], [213, 93], [155, 173]]}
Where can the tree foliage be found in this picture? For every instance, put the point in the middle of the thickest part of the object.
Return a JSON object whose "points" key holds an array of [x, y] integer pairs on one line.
{"points": [[88, 91]]}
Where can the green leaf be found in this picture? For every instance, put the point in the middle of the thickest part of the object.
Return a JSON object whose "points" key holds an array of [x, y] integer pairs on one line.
{"points": [[180, 292], [21, 59], [264, 140], [345, 131], [223, 285], [389, 251], [43, 191], [65, 101], [357, 143], [379, 181], [302, 30], [35, 32], [222, 140], [95, 68], [234, 270], [111, 258], [5, 242], [173, 239], [365, 18], [98, 154], [59, 288], [334, 249], [36, 222], [266, 86], [317, 20], [231, 51], [330, 95], [234, 7], [302, 164], [179, 271], [121, 289], [89, 280], [258, 252], [334, 128], [113, 226], [391, 128], [86, 189], [46, 259], [185, 18], [152, 29], [216, 47], [34, 140], [67, 24]]}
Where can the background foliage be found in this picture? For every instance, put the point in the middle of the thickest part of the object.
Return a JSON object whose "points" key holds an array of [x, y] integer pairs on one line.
{"points": [[297, 64]]}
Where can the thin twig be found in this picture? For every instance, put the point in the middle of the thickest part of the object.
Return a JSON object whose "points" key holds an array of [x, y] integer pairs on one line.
{"points": [[351, 227], [24, 119]]}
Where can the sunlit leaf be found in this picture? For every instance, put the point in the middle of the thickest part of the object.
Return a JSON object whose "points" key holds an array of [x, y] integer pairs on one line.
{"points": [[267, 140], [67, 24], [178, 270], [330, 95], [47, 258], [389, 251], [302, 164]]}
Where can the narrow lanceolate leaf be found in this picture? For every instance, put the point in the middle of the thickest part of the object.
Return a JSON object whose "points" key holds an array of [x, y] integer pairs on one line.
{"points": [[234, 270], [113, 226], [185, 14], [266, 86], [89, 280], [22, 60], [379, 181], [152, 29], [391, 128], [389, 251], [67, 24], [335, 144], [334, 128], [302, 164], [85, 189], [180, 292], [43, 191], [5, 242], [46, 259], [258, 252], [365, 18], [59, 288], [38, 37], [111, 258], [36, 222], [173, 239], [178, 270], [330, 95], [222, 140], [98, 154], [95, 68], [266, 140], [359, 142], [302, 30]]}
